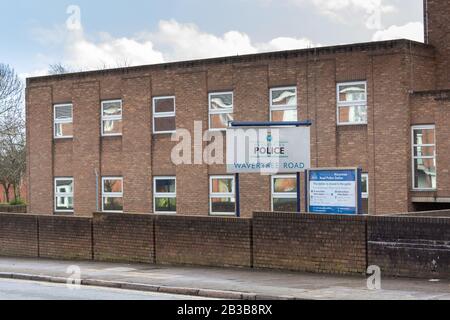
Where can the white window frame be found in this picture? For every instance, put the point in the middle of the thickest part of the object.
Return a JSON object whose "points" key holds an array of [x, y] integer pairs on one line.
{"points": [[111, 194], [222, 195], [413, 157], [344, 104], [61, 121], [283, 107], [66, 194], [282, 195], [219, 112], [171, 114], [365, 195], [172, 195], [111, 118]]}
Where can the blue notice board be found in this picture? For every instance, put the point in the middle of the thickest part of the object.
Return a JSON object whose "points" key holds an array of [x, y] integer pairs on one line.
{"points": [[334, 191]]}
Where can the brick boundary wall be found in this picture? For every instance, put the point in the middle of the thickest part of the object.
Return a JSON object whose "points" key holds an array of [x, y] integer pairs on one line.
{"points": [[19, 235], [205, 241], [122, 237], [13, 209], [68, 238], [410, 246], [312, 243]]}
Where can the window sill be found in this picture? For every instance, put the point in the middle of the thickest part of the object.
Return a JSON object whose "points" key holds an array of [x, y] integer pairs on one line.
{"points": [[351, 124]]}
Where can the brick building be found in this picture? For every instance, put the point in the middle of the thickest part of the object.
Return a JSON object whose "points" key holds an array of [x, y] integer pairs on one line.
{"points": [[101, 140]]}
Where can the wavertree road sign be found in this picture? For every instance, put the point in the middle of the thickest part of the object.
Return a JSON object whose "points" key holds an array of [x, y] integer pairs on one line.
{"points": [[268, 149]]}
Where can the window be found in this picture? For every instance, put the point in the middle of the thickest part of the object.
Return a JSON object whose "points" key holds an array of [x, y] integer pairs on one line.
{"points": [[222, 195], [284, 193], [220, 110], [164, 120], [112, 118], [352, 103], [63, 194], [165, 195], [63, 121], [283, 104], [365, 185], [424, 157], [112, 195]]}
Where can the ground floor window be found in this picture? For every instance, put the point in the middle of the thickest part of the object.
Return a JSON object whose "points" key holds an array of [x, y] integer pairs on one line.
{"points": [[112, 195], [365, 192], [222, 195], [284, 193], [165, 195], [64, 194]]}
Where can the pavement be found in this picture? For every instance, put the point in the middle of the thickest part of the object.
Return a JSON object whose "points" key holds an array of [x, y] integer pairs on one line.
{"points": [[236, 284]]}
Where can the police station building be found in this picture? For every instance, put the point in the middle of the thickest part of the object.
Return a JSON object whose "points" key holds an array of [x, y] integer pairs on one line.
{"points": [[102, 140]]}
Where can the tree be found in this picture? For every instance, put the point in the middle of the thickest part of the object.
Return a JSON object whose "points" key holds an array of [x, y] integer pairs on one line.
{"points": [[11, 89]]}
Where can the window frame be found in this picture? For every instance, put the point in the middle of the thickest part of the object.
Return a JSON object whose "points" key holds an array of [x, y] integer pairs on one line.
{"points": [[111, 118], [273, 108], [216, 112], [59, 195], [222, 195], [111, 194], [61, 121], [413, 157], [171, 195], [156, 115], [365, 195], [282, 195], [340, 104]]}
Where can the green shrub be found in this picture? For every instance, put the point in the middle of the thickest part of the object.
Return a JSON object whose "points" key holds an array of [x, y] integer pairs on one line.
{"points": [[17, 202]]}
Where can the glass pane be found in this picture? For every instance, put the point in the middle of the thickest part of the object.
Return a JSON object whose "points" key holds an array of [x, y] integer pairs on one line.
{"points": [[63, 112], [113, 204], [222, 186], [424, 151], [284, 97], [165, 186], [63, 130], [223, 205], [64, 186], [285, 185], [353, 114], [165, 105], [285, 205], [284, 115], [364, 184], [221, 101], [112, 108], [165, 124], [64, 203], [353, 92], [220, 121], [423, 136], [112, 185], [166, 205], [425, 173], [111, 127]]}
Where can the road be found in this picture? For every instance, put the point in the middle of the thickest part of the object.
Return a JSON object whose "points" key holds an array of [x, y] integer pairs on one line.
{"points": [[28, 290]]}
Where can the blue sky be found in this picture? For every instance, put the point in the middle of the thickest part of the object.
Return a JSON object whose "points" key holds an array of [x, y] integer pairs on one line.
{"points": [[113, 33]]}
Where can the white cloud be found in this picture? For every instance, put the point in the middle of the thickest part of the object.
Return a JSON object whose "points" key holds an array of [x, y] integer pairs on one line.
{"points": [[411, 31]]}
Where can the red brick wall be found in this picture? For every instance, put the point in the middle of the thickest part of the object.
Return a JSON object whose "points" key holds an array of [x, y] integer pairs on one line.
{"points": [[67, 238], [312, 243], [204, 241], [124, 238], [18, 235]]}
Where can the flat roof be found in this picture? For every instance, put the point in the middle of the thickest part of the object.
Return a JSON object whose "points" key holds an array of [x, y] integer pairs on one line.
{"points": [[345, 48]]}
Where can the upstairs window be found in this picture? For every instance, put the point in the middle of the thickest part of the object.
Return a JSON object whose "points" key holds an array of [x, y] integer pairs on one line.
{"points": [[164, 116], [222, 195], [112, 194], [283, 104], [424, 157], [64, 195], [112, 118], [284, 193], [352, 103], [63, 121], [165, 195], [220, 110]]}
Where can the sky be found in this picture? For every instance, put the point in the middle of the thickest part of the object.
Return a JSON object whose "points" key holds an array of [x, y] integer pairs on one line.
{"points": [[86, 35]]}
